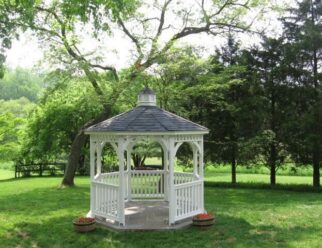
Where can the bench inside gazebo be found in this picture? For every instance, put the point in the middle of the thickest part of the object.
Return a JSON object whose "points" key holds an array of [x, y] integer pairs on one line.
{"points": [[146, 199]]}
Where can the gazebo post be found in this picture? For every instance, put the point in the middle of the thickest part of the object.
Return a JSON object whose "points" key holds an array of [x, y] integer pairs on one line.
{"points": [[128, 167], [120, 154], [92, 171], [99, 158], [165, 173], [201, 172], [195, 161], [172, 204]]}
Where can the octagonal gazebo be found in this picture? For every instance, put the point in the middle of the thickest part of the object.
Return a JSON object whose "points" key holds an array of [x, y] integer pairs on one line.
{"points": [[183, 193]]}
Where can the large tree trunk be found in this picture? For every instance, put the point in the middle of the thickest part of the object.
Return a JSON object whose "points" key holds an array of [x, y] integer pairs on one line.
{"points": [[233, 171], [316, 167], [138, 160], [233, 165], [76, 149], [74, 158], [272, 164], [273, 151]]}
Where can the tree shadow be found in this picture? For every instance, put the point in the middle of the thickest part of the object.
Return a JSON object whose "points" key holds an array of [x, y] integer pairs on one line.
{"points": [[227, 232], [258, 198], [41, 202], [42, 217]]}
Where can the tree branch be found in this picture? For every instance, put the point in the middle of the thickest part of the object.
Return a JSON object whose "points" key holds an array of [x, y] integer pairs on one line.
{"points": [[134, 40], [75, 54], [160, 28]]}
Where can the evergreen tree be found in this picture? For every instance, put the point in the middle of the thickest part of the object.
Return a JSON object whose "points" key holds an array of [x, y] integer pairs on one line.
{"points": [[269, 66], [303, 31]]}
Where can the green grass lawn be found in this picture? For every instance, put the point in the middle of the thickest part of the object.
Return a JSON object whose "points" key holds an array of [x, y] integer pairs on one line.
{"points": [[6, 174], [213, 176], [35, 213]]}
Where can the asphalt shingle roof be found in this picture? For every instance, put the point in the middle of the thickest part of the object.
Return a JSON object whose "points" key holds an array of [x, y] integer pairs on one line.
{"points": [[146, 119]]}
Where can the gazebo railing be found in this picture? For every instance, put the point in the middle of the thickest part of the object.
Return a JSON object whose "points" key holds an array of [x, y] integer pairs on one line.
{"points": [[113, 178], [188, 199], [147, 184], [182, 177], [109, 178], [105, 200]]}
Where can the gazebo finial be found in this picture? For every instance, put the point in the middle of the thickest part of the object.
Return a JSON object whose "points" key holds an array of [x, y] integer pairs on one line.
{"points": [[147, 97]]}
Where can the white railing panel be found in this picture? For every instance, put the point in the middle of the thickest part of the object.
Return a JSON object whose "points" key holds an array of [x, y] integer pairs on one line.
{"points": [[188, 199], [182, 177], [147, 184], [111, 178], [105, 200]]}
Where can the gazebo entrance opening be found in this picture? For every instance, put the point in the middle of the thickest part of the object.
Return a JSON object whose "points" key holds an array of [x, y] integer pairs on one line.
{"points": [[112, 191]]}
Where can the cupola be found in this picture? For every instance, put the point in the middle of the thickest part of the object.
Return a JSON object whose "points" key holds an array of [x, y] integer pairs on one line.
{"points": [[147, 97]]}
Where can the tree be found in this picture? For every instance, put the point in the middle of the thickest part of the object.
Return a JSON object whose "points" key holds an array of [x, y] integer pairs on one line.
{"points": [[21, 83], [303, 30], [7, 32], [54, 123], [215, 93], [232, 107], [269, 64], [13, 120], [57, 23], [10, 130], [143, 150]]}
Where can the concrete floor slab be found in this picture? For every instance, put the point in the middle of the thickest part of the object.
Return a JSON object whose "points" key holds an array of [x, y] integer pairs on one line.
{"points": [[145, 215]]}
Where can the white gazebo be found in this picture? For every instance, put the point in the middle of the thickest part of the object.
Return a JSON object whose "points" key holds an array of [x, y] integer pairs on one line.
{"points": [[182, 193]]}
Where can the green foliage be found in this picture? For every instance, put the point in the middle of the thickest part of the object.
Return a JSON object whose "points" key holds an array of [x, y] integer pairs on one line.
{"points": [[13, 120], [144, 149], [10, 129], [7, 31], [18, 107], [55, 122], [21, 83]]}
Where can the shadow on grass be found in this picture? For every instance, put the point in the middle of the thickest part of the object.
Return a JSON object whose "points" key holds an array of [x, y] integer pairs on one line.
{"points": [[42, 217], [242, 185], [227, 232], [34, 177], [40, 202]]}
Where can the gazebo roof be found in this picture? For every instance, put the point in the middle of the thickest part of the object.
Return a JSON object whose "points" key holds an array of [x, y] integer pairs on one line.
{"points": [[147, 118]]}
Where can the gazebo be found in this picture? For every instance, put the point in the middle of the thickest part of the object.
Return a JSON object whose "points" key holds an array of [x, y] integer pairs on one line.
{"points": [[182, 193]]}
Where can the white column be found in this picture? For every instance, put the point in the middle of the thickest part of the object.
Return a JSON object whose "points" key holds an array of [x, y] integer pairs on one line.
{"points": [[201, 173], [120, 154], [166, 173], [172, 198], [92, 171], [128, 165], [201, 165], [195, 162], [99, 158]]}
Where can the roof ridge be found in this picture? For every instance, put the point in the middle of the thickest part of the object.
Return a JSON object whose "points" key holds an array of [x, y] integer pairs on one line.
{"points": [[143, 109], [159, 121]]}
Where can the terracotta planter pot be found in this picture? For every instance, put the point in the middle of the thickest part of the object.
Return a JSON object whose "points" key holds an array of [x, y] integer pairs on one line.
{"points": [[203, 222], [84, 227]]}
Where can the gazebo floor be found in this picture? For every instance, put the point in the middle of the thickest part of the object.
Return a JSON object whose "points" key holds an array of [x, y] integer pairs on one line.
{"points": [[145, 216]]}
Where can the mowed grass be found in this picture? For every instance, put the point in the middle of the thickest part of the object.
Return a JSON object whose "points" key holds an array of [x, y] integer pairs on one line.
{"points": [[6, 174], [35, 213], [213, 176]]}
